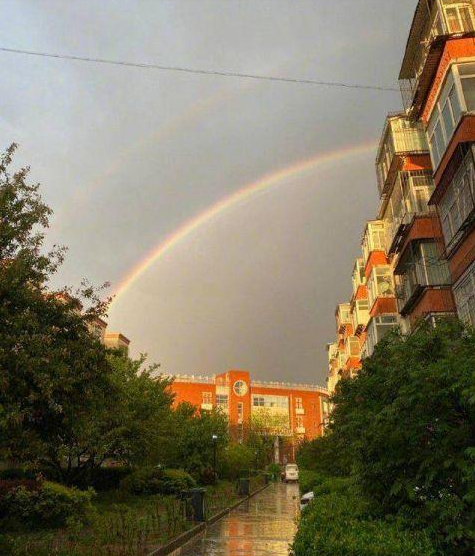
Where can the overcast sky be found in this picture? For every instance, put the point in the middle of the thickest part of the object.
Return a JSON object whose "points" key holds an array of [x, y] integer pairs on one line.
{"points": [[126, 155]]}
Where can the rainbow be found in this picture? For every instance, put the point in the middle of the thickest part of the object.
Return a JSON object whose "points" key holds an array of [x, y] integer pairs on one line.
{"points": [[261, 185]]}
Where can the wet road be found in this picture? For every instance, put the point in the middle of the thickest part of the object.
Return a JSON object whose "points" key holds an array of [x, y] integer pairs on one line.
{"points": [[262, 526]]}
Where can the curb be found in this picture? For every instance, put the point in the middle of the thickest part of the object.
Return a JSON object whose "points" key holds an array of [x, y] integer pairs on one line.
{"points": [[175, 545]]}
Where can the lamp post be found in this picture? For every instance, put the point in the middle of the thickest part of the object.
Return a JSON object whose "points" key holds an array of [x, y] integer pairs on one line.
{"points": [[214, 439]]}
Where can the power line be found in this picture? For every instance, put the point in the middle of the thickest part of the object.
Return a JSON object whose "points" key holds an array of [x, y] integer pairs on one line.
{"points": [[199, 71]]}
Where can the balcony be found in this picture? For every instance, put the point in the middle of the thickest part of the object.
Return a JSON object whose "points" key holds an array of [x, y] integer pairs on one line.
{"points": [[418, 270], [352, 348], [358, 277], [360, 315], [409, 198], [434, 22], [374, 239], [343, 317], [299, 411], [377, 329], [380, 284], [400, 137]]}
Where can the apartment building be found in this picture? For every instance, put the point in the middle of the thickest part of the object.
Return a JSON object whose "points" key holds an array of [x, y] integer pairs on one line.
{"points": [[290, 412], [438, 83], [419, 253]]}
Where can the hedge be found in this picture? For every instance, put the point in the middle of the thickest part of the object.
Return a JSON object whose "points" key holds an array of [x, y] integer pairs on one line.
{"points": [[155, 480], [336, 523]]}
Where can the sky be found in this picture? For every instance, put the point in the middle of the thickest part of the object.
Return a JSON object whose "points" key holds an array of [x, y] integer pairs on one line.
{"points": [[125, 156]]}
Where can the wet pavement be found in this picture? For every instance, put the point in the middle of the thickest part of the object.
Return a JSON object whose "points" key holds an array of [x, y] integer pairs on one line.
{"points": [[262, 526]]}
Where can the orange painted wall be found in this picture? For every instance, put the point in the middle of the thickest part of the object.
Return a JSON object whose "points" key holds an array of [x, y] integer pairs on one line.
{"points": [[433, 301], [376, 258], [383, 305], [416, 162], [461, 259], [311, 401], [361, 292], [192, 393], [453, 49], [422, 228]]}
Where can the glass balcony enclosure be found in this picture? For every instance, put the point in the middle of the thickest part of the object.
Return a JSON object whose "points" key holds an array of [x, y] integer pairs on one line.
{"points": [[400, 136], [432, 19], [457, 206], [464, 293], [419, 268], [380, 283], [378, 327], [457, 97], [409, 198], [352, 347], [360, 314], [342, 359], [358, 277], [374, 239], [343, 316]]}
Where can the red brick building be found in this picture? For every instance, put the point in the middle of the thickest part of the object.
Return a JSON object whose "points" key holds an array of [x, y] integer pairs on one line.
{"points": [[292, 412]]}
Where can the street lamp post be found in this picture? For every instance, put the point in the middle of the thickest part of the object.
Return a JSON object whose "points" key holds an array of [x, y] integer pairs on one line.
{"points": [[214, 438]]}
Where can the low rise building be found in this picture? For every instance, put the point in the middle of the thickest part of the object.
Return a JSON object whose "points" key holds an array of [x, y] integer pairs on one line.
{"points": [[289, 412]]}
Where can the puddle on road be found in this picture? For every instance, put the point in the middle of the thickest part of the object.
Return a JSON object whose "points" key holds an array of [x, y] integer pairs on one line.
{"points": [[262, 526]]}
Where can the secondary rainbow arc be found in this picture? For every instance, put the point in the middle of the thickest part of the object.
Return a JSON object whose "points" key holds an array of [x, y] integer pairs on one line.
{"points": [[264, 183]]}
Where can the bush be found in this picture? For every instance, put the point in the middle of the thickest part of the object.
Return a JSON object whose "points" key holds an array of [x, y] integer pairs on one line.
{"points": [[45, 505], [308, 480], [104, 478], [337, 525], [274, 470], [155, 480], [236, 459]]}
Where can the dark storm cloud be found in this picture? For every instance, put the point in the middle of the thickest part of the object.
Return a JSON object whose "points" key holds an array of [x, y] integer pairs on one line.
{"points": [[126, 155]]}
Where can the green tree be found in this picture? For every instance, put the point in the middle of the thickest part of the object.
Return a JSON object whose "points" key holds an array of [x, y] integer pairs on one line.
{"points": [[52, 369], [190, 441], [407, 423]]}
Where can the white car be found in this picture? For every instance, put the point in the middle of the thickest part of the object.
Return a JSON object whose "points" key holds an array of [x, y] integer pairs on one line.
{"points": [[306, 498], [291, 472]]}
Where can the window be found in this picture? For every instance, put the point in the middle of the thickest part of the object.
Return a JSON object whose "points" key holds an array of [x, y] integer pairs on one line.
{"points": [[298, 403], [464, 293], [240, 412], [207, 398], [377, 329], [459, 17], [271, 402], [299, 421], [222, 401], [458, 201]]}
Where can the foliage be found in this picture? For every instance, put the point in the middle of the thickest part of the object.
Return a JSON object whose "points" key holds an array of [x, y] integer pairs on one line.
{"points": [[308, 480], [274, 470], [326, 455], [189, 444], [45, 505], [155, 480], [236, 458], [337, 524], [406, 428]]}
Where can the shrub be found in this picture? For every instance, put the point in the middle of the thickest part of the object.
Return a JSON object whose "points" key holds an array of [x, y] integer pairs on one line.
{"points": [[308, 480], [155, 480], [337, 525], [207, 476], [235, 459], [274, 470], [45, 505], [104, 478]]}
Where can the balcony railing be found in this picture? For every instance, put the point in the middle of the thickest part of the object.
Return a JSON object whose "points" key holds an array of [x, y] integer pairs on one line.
{"points": [[410, 198], [401, 136], [420, 276], [432, 19]]}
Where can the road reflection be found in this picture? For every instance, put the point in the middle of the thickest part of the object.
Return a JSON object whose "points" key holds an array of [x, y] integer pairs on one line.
{"points": [[262, 526]]}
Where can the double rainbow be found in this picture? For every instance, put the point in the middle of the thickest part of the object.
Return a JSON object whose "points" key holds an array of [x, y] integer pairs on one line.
{"points": [[228, 203]]}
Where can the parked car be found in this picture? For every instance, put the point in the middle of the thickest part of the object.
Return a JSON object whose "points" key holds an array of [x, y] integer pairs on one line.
{"points": [[291, 472], [306, 498]]}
